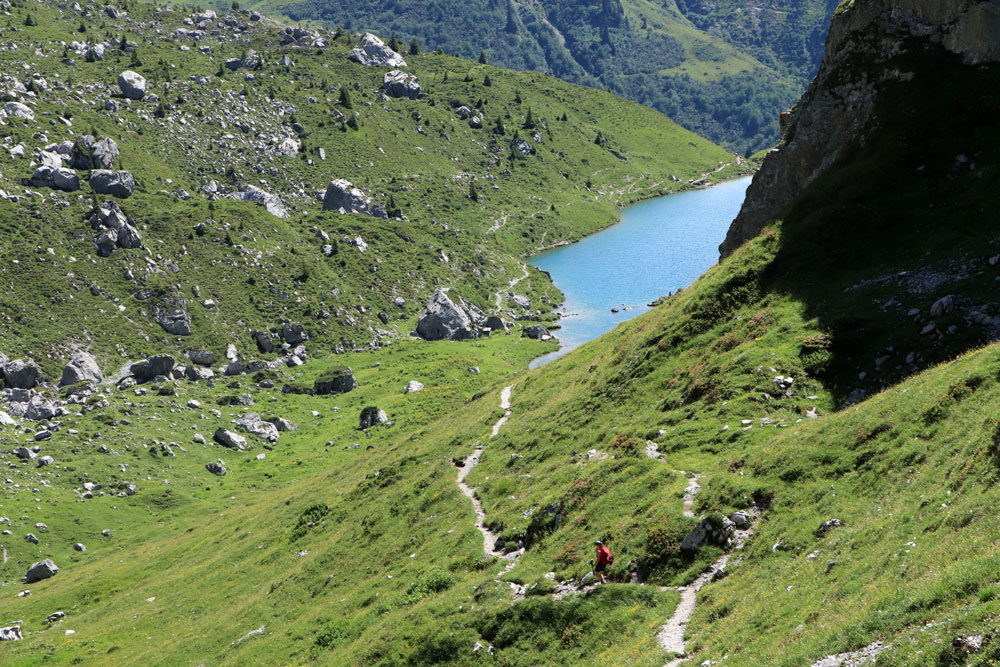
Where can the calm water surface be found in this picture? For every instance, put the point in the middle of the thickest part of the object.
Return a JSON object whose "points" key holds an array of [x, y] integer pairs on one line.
{"points": [[658, 247]]}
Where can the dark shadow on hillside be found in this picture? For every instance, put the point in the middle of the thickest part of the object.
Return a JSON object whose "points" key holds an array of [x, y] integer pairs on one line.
{"points": [[876, 246]]}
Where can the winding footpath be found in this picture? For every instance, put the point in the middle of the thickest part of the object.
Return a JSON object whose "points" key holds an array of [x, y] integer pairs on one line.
{"points": [[489, 537], [671, 635], [499, 304]]}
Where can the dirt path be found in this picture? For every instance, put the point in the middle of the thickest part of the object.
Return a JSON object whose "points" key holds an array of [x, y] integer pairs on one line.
{"points": [[671, 636], [690, 492], [510, 286], [497, 224], [489, 537]]}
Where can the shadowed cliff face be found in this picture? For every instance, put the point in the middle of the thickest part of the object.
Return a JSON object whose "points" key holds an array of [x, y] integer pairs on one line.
{"points": [[833, 117]]}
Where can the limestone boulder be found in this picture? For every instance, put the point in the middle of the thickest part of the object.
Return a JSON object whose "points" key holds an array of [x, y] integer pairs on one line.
{"points": [[20, 374], [132, 84], [40, 570], [372, 416], [229, 439], [341, 195], [401, 84], [372, 51], [253, 424], [271, 203], [442, 319], [339, 381], [82, 367], [119, 184]]}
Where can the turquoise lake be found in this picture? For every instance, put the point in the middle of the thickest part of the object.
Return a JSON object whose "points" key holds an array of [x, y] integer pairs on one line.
{"points": [[659, 246]]}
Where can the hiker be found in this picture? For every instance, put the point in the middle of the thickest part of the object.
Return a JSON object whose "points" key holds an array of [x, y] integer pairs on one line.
{"points": [[604, 558]]}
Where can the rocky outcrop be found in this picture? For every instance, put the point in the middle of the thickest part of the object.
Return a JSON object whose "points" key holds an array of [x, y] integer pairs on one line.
{"points": [[173, 317], [830, 119], [341, 195], [272, 203], [709, 531], [115, 229], [442, 319], [400, 84], [338, 381], [372, 51]]}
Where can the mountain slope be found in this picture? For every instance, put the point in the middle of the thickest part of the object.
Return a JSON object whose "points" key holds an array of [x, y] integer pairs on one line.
{"points": [[204, 125], [351, 545], [719, 70]]}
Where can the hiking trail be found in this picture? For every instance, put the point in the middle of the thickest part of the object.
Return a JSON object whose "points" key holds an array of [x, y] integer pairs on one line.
{"points": [[489, 537], [671, 635]]}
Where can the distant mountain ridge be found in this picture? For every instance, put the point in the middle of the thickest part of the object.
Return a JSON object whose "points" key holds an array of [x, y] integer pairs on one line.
{"points": [[720, 69]]}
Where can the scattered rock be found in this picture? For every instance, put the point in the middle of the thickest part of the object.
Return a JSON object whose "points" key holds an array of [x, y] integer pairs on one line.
{"points": [[943, 306], [39, 571], [252, 423], [293, 334], [81, 368], [442, 319], [132, 84], [412, 386], [230, 439], [400, 84], [119, 184], [216, 468], [337, 381], [172, 315], [283, 424], [828, 525], [24, 454], [372, 416]]}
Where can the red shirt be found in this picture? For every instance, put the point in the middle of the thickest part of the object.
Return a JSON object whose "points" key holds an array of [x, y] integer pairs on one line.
{"points": [[603, 555]]}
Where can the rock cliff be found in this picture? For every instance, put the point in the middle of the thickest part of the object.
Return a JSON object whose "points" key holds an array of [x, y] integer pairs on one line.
{"points": [[833, 115]]}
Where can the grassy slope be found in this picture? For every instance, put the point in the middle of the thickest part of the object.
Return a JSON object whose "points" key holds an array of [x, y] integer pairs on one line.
{"points": [[916, 463], [704, 75], [274, 268]]}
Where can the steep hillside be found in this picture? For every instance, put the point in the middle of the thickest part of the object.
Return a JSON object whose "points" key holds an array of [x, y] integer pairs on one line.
{"points": [[252, 113], [804, 439], [719, 69]]}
